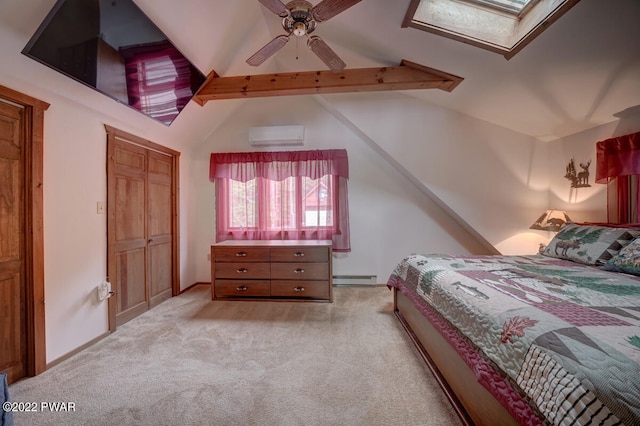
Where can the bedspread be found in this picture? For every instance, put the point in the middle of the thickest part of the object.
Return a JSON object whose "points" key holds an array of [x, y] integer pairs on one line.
{"points": [[565, 336]]}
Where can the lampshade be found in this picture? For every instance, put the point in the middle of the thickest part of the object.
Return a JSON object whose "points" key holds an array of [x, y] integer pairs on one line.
{"points": [[551, 220]]}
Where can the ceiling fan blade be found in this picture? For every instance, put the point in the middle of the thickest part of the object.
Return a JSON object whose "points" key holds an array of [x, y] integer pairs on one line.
{"points": [[276, 6], [327, 9], [324, 52], [268, 50]]}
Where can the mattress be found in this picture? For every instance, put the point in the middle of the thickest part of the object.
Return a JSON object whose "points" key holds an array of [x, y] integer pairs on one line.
{"points": [[554, 341]]}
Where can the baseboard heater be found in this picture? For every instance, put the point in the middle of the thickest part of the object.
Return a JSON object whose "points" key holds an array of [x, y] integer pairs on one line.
{"points": [[355, 280]]}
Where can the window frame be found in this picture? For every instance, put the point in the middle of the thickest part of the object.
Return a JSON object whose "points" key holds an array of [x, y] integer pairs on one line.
{"points": [[508, 6], [261, 190], [484, 26], [278, 166]]}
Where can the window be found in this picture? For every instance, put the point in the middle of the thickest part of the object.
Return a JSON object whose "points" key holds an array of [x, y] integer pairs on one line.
{"points": [[501, 26], [625, 209], [618, 166], [516, 7], [293, 203], [282, 195]]}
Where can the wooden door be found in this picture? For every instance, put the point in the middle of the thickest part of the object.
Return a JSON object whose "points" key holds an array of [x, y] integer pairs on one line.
{"points": [[130, 233], [159, 229], [13, 308], [142, 226], [22, 328]]}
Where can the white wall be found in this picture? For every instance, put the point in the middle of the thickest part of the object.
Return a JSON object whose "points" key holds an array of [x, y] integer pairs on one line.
{"points": [[494, 178], [585, 204]]}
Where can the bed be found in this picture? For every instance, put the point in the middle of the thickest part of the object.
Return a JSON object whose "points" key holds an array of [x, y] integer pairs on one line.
{"points": [[551, 338]]}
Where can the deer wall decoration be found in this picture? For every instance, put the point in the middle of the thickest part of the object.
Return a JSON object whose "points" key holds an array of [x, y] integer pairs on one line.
{"points": [[578, 179]]}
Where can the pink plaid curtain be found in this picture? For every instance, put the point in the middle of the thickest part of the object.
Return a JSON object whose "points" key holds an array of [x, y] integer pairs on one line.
{"points": [[287, 195], [618, 165]]}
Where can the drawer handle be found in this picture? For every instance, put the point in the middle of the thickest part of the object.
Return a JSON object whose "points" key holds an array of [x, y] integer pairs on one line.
{"points": [[241, 254], [298, 254], [298, 271], [298, 289], [242, 270], [242, 288]]}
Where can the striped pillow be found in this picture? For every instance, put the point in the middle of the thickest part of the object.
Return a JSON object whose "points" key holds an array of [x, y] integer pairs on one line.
{"points": [[627, 260]]}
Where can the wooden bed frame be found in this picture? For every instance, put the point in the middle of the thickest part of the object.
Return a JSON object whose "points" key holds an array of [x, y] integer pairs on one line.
{"points": [[473, 403]]}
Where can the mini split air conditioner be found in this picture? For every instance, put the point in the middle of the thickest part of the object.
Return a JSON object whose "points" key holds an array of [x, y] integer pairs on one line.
{"points": [[276, 135]]}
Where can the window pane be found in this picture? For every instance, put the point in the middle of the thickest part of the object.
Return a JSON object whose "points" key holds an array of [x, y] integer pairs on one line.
{"points": [[281, 204], [242, 204], [317, 202], [513, 6], [290, 204]]}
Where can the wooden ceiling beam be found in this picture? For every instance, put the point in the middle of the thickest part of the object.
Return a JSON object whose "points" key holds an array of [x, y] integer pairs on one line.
{"points": [[406, 76]]}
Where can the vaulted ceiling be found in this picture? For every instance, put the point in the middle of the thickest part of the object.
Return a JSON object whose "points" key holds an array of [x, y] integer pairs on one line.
{"points": [[579, 73]]}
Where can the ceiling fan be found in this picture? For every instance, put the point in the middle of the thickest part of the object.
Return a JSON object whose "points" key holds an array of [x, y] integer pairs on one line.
{"points": [[299, 17]]}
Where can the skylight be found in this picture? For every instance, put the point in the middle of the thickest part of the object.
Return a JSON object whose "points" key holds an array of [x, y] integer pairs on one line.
{"points": [[515, 7], [502, 26]]}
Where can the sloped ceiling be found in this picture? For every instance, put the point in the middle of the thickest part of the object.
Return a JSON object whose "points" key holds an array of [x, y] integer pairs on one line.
{"points": [[579, 73]]}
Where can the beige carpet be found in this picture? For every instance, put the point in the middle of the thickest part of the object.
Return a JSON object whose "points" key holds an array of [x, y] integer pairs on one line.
{"points": [[191, 361]]}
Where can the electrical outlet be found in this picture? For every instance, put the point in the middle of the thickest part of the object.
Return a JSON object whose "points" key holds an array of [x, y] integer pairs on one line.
{"points": [[209, 257], [102, 207], [104, 290]]}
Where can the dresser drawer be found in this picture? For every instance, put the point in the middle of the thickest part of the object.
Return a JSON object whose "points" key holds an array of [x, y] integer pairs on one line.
{"points": [[311, 289], [241, 254], [300, 271], [300, 254], [242, 288], [242, 270]]}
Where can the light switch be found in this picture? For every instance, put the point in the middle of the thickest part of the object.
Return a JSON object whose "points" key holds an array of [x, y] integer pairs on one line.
{"points": [[102, 207]]}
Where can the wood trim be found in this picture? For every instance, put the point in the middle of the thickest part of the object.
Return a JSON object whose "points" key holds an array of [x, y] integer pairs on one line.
{"points": [[176, 224], [34, 223], [195, 285], [406, 76], [111, 265], [543, 25], [411, 11], [113, 134], [136, 140], [77, 350]]}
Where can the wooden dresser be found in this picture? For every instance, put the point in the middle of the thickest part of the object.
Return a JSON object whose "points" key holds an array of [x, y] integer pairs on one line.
{"points": [[271, 270]]}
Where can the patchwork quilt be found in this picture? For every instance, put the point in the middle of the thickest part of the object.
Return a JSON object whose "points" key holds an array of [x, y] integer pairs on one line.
{"points": [[562, 338]]}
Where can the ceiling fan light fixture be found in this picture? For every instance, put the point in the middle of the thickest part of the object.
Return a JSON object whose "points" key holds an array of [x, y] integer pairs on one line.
{"points": [[299, 29], [299, 17]]}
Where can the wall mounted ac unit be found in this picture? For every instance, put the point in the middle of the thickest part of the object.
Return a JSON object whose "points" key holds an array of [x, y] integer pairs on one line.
{"points": [[276, 135]]}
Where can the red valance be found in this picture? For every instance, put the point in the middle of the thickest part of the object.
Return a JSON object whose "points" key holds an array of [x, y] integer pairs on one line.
{"points": [[245, 166], [618, 157]]}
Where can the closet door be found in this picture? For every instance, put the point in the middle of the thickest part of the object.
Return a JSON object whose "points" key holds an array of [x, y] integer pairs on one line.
{"points": [[129, 196], [142, 226], [159, 227]]}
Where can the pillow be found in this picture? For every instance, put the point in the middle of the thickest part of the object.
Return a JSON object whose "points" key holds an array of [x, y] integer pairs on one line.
{"points": [[589, 244], [627, 260]]}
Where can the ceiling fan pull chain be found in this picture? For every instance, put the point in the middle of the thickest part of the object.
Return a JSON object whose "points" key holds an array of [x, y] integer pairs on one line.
{"points": [[297, 45]]}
